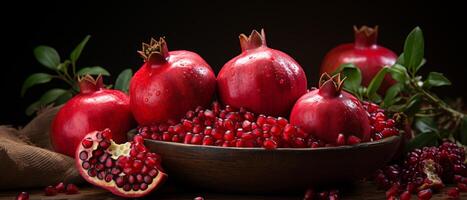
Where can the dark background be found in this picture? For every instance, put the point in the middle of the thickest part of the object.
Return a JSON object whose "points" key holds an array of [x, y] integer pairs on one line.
{"points": [[306, 31]]}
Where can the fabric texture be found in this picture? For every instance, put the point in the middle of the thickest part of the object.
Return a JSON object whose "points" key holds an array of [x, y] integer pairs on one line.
{"points": [[27, 159]]}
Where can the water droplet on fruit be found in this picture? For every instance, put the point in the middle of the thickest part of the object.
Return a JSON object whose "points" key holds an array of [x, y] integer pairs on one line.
{"points": [[158, 93], [146, 100]]}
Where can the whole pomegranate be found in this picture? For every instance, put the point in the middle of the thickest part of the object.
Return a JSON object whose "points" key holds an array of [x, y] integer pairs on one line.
{"points": [[169, 84], [94, 108], [261, 79], [331, 114], [365, 54]]}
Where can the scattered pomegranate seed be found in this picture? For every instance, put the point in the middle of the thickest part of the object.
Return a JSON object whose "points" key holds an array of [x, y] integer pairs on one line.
{"points": [[405, 196], [60, 187], [425, 194], [453, 193], [22, 196], [50, 191], [71, 189], [198, 198]]}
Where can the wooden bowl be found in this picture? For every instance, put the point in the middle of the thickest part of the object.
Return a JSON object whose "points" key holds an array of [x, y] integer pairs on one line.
{"points": [[257, 170]]}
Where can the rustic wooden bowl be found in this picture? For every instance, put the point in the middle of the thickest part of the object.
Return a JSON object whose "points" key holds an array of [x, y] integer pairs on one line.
{"points": [[257, 170]]}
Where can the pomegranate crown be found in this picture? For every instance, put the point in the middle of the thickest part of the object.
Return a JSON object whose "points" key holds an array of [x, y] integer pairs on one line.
{"points": [[365, 36], [253, 41], [156, 52], [88, 84], [331, 86]]}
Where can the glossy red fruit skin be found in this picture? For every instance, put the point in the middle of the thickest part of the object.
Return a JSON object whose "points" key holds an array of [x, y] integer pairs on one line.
{"points": [[365, 54], [261, 79], [169, 84], [326, 112], [94, 108]]}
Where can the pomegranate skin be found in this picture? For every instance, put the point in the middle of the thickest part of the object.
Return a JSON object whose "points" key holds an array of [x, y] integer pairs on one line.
{"points": [[95, 108], [327, 112], [365, 54], [261, 79], [169, 84]]}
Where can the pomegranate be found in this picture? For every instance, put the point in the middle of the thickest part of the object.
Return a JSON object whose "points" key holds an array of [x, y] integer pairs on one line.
{"points": [[94, 108], [261, 79], [128, 170], [169, 84], [331, 114], [365, 54]]}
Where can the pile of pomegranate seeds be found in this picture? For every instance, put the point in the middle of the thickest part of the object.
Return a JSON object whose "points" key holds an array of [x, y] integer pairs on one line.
{"points": [[424, 171], [311, 194], [227, 127], [60, 188]]}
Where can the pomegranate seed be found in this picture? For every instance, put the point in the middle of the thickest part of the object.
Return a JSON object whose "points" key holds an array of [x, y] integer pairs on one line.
{"points": [[453, 193], [405, 196], [208, 140], [87, 143], [340, 139], [50, 191], [462, 187], [71, 189], [229, 136], [60, 187], [197, 139], [188, 138], [276, 130], [270, 144], [309, 194], [393, 191], [22, 196], [198, 198], [353, 140], [425, 194]]}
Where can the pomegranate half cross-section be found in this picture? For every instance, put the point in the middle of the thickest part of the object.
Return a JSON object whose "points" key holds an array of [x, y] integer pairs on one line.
{"points": [[127, 170]]}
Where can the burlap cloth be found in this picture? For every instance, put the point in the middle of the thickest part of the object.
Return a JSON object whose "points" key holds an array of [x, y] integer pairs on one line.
{"points": [[26, 158]]}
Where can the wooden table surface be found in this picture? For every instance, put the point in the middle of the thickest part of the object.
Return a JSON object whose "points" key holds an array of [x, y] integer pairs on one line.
{"points": [[361, 191]]}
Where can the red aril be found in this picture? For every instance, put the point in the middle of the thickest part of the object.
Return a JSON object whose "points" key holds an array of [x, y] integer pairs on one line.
{"points": [[365, 54], [94, 108], [127, 170], [22, 196], [169, 84], [328, 112], [261, 79]]}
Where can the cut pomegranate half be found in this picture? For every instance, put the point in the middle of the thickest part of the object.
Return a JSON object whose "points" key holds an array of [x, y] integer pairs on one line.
{"points": [[127, 170]]}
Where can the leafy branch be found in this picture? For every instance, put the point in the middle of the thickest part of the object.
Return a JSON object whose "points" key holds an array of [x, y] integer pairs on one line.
{"points": [[66, 71], [433, 118]]}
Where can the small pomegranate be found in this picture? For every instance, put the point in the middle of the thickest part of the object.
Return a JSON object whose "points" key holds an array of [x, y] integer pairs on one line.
{"points": [[365, 54], [169, 84], [331, 114], [94, 108], [127, 170], [261, 79]]}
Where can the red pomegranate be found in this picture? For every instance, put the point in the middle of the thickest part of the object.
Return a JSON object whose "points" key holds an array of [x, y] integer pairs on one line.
{"points": [[261, 79], [94, 108], [331, 114], [128, 170], [365, 54], [169, 84]]}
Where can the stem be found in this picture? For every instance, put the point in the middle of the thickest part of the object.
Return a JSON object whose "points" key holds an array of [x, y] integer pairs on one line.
{"points": [[434, 100]]}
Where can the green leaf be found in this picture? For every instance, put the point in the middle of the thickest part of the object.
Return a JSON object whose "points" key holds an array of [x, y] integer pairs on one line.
{"points": [[423, 140], [425, 125], [63, 98], [47, 56], [31, 109], [96, 70], [400, 59], [77, 51], [414, 50], [463, 131], [436, 79], [391, 94], [353, 74], [413, 104], [376, 82], [34, 79], [398, 73], [51, 95], [63, 67], [123, 80]]}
